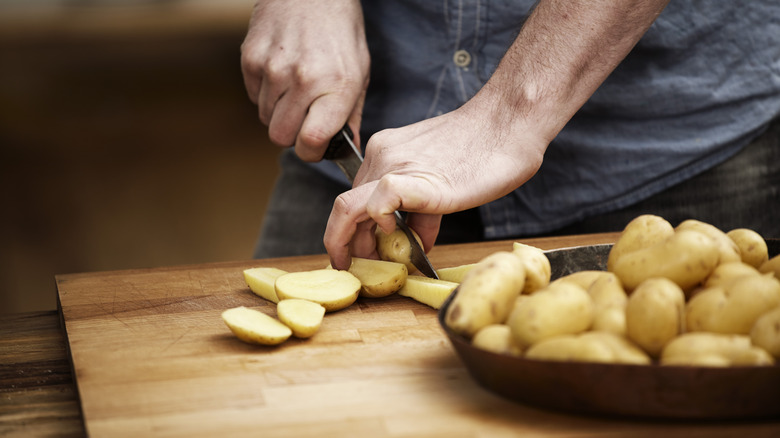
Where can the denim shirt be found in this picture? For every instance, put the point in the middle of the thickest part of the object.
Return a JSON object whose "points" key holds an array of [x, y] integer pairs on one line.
{"points": [[701, 84]]}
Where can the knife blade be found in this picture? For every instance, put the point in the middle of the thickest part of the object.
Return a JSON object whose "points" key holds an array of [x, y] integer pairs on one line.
{"points": [[343, 152]]}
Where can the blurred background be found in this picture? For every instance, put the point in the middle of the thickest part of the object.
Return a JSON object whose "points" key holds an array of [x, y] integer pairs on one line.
{"points": [[126, 140]]}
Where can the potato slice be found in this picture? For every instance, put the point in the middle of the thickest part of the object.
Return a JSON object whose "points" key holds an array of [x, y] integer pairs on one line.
{"points": [[332, 289], [302, 316], [255, 327], [261, 282], [454, 273], [429, 291], [379, 278]]}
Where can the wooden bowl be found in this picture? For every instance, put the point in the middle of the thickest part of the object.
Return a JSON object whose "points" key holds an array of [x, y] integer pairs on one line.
{"points": [[642, 391]]}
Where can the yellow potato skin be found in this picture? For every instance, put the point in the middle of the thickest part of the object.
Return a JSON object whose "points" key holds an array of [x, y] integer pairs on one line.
{"points": [[642, 232], [497, 338], [655, 314], [765, 333], [593, 346], [686, 258], [302, 316], [609, 304], [727, 249], [559, 309], [583, 279], [255, 327], [486, 294], [771, 266], [537, 266], [734, 307], [395, 247], [714, 350], [752, 246], [378, 278], [724, 273]]}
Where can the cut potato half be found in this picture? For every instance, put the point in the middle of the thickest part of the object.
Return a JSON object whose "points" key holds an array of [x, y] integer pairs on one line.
{"points": [[379, 278], [332, 289], [429, 291], [302, 316], [261, 282], [255, 327]]}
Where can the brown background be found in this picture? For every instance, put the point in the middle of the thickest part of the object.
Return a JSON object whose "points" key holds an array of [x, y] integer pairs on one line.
{"points": [[126, 140]]}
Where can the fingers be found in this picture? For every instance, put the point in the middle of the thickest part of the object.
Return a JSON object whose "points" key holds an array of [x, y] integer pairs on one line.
{"points": [[426, 226], [344, 225]]}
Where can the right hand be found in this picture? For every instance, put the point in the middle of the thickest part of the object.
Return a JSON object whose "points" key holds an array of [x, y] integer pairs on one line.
{"points": [[306, 66]]}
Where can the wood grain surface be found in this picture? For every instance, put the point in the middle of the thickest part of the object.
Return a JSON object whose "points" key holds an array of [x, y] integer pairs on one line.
{"points": [[152, 357]]}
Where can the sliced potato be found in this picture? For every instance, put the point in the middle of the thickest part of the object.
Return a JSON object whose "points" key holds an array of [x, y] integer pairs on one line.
{"points": [[455, 273], [333, 289], [304, 317], [379, 278], [429, 291], [261, 282], [255, 327]]}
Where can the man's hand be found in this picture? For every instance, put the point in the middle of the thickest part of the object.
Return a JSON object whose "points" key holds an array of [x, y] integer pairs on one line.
{"points": [[496, 141], [306, 66]]}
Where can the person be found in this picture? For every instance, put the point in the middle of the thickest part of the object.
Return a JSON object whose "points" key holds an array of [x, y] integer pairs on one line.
{"points": [[509, 119]]}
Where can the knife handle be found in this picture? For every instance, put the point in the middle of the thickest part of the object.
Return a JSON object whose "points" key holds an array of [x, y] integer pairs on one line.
{"points": [[339, 145]]}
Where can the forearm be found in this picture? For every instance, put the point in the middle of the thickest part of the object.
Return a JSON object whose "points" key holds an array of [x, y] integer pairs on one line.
{"points": [[565, 50]]}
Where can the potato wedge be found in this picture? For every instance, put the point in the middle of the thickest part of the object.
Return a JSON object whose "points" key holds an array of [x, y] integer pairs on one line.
{"points": [[455, 273], [261, 282], [332, 289], [429, 291], [304, 317], [255, 327], [378, 278]]}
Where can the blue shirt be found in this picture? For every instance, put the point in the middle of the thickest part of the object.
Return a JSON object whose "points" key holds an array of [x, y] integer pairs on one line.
{"points": [[701, 84]]}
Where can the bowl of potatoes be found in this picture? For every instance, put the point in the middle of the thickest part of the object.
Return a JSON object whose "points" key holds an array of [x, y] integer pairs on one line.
{"points": [[675, 322]]}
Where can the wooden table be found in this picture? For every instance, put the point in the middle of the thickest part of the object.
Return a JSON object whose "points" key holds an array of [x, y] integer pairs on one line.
{"points": [[151, 357]]}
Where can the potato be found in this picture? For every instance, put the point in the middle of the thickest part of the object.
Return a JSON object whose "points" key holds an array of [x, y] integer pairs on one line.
{"points": [[261, 282], [559, 309], [497, 338], [255, 327], [429, 291], [378, 278], [655, 314], [765, 333], [302, 316], [733, 308], [713, 349], [726, 272], [537, 266], [395, 247], [643, 231], [727, 249], [771, 266], [752, 247], [591, 346], [609, 304], [455, 274], [486, 294], [333, 289], [583, 279], [686, 258]]}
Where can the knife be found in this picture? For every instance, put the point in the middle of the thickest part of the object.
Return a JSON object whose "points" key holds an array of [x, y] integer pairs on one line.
{"points": [[342, 151]]}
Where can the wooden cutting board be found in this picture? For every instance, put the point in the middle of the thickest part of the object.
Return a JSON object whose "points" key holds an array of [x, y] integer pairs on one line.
{"points": [[152, 357]]}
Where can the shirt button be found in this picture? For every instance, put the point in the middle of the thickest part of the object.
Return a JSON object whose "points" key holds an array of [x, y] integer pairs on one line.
{"points": [[461, 58]]}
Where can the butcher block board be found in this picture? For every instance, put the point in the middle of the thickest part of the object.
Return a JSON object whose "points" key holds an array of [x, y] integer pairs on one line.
{"points": [[152, 357]]}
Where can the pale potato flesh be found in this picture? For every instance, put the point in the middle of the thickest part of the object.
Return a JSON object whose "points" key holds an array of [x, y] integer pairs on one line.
{"points": [[255, 327], [455, 274], [429, 291], [379, 278], [302, 316], [261, 282], [333, 289]]}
